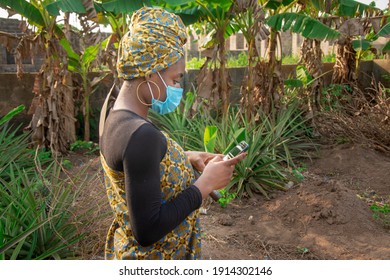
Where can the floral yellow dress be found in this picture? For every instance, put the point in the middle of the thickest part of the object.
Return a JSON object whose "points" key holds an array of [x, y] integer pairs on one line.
{"points": [[184, 242]]}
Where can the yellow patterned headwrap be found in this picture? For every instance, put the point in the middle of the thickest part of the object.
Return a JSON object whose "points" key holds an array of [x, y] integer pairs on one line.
{"points": [[155, 42]]}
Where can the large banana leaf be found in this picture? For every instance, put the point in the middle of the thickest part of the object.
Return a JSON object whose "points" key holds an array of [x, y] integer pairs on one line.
{"points": [[305, 25], [26, 10], [178, 2], [73, 58], [385, 32], [351, 8], [73, 6], [275, 4], [124, 6], [361, 44], [189, 15]]}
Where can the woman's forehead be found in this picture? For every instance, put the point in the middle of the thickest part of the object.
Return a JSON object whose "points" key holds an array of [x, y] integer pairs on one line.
{"points": [[176, 69]]}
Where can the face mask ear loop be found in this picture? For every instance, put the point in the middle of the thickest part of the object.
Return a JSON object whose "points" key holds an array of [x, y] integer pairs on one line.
{"points": [[150, 90], [162, 80]]}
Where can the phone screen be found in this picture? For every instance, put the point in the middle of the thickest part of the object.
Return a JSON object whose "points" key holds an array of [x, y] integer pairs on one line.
{"points": [[240, 148]]}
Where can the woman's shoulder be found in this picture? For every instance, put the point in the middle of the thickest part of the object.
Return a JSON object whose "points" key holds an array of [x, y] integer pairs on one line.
{"points": [[120, 119], [135, 126]]}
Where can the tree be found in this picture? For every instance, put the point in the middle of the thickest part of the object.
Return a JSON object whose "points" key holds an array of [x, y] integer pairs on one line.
{"points": [[266, 83], [213, 79], [250, 20], [53, 122], [352, 19]]}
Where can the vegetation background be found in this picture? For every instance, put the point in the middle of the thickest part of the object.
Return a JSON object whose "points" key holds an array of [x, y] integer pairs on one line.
{"points": [[52, 200]]}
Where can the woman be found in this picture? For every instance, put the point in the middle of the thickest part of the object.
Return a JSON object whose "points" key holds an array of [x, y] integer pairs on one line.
{"points": [[149, 178]]}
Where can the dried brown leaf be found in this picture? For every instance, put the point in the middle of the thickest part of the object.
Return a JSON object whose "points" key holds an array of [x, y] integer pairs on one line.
{"points": [[352, 27]]}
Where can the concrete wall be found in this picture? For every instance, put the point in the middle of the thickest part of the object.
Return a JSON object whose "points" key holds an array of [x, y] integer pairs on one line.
{"points": [[14, 92], [7, 59], [379, 69]]}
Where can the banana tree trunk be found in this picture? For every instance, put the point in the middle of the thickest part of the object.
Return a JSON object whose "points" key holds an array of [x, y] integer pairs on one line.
{"points": [[250, 77], [272, 92], [53, 122], [266, 83], [86, 107], [223, 77], [311, 55], [345, 65], [248, 87]]}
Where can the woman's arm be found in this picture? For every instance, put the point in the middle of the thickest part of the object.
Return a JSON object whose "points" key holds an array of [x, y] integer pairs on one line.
{"points": [[150, 219]]}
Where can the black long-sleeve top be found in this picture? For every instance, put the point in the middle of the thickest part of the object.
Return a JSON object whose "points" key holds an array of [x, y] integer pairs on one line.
{"points": [[134, 146]]}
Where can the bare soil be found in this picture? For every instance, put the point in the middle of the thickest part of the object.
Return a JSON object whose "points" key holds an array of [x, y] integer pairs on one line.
{"points": [[326, 216]]}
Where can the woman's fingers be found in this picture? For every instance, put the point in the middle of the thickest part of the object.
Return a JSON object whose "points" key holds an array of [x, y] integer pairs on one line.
{"points": [[236, 159]]}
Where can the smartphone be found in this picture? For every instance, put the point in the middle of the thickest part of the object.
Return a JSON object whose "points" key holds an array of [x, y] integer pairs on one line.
{"points": [[239, 149]]}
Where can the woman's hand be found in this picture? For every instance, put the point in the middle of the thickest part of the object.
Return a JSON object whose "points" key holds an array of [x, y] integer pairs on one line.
{"points": [[217, 174], [199, 160]]}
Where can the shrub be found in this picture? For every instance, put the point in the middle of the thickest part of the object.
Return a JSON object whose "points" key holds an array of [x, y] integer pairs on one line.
{"points": [[37, 202], [276, 141]]}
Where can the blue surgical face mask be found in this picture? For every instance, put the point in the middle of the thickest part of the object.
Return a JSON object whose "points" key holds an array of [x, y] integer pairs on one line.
{"points": [[173, 99]]}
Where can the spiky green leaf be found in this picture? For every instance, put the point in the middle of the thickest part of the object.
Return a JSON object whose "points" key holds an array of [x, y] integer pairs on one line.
{"points": [[351, 8], [23, 235], [239, 135], [12, 113]]}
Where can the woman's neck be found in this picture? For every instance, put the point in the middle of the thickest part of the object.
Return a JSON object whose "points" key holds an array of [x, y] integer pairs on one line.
{"points": [[127, 99]]}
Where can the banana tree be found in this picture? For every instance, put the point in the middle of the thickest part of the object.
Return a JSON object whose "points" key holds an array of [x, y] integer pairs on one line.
{"points": [[385, 32], [269, 85], [217, 14], [354, 20], [249, 18], [213, 80], [311, 55], [82, 65], [260, 20], [332, 20], [115, 13], [53, 122]]}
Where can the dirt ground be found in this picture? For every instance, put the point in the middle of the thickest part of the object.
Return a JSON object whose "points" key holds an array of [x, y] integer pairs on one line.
{"points": [[326, 216]]}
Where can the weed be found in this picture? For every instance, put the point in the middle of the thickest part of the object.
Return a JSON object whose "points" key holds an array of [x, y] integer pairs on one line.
{"points": [[239, 61], [329, 58], [381, 213], [298, 172], [84, 145], [343, 140], [302, 250], [226, 198], [195, 63], [67, 164]]}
